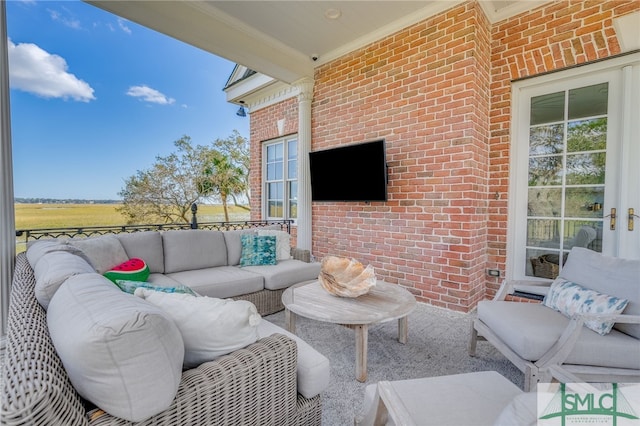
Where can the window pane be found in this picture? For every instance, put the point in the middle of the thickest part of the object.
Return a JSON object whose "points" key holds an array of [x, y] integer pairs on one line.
{"points": [[584, 202], [543, 233], [292, 150], [547, 108], [546, 139], [585, 168], [292, 169], [588, 101], [587, 135], [545, 171], [275, 209], [274, 152], [293, 199], [545, 202], [275, 191]]}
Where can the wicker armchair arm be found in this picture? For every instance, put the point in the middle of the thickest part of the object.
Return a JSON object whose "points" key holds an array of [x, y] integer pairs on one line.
{"points": [[255, 385], [301, 254]]}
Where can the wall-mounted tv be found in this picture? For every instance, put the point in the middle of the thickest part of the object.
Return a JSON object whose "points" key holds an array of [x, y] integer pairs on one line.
{"points": [[349, 173]]}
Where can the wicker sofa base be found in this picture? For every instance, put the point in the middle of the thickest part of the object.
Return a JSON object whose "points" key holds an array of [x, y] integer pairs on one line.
{"points": [[267, 301], [254, 385]]}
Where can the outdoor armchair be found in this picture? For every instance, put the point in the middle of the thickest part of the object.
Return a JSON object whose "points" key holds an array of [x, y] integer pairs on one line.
{"points": [[535, 337]]}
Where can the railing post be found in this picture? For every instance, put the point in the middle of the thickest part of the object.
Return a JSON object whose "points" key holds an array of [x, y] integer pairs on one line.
{"points": [[194, 219]]}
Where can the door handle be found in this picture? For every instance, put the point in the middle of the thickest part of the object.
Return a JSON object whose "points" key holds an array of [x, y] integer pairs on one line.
{"points": [[630, 221], [612, 215]]}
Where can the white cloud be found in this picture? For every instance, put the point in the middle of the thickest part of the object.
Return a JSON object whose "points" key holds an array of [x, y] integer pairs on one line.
{"points": [[34, 70], [148, 94], [123, 26], [65, 20]]}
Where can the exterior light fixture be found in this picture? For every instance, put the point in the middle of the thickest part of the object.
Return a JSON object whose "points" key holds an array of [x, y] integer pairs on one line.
{"points": [[241, 112]]}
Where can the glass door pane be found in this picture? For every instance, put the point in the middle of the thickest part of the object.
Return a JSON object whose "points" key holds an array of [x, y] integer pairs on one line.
{"points": [[566, 176]]}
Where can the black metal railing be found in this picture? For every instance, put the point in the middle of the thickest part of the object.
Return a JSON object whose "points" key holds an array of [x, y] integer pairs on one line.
{"points": [[24, 236]]}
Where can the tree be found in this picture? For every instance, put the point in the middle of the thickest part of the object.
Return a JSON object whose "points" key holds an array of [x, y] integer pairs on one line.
{"points": [[165, 192], [223, 179], [236, 148]]}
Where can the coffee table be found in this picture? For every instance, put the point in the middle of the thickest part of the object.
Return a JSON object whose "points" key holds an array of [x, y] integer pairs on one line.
{"points": [[385, 302]]}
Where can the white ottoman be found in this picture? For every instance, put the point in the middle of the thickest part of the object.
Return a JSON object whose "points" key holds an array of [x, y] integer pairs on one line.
{"points": [[461, 399]]}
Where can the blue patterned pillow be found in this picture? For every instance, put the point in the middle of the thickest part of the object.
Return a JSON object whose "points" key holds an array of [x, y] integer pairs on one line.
{"points": [[129, 286], [569, 299], [257, 250]]}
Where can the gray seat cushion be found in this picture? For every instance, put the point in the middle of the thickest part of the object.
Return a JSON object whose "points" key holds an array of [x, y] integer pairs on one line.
{"points": [[286, 273], [530, 329], [193, 249], [221, 282], [146, 246], [121, 353], [608, 275]]}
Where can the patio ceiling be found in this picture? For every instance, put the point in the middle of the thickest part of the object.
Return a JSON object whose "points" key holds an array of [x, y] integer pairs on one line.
{"points": [[281, 38]]}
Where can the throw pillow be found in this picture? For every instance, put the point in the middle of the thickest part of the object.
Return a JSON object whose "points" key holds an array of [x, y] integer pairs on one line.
{"points": [[121, 353], [131, 270], [210, 327], [283, 242], [570, 298], [130, 287], [257, 250]]}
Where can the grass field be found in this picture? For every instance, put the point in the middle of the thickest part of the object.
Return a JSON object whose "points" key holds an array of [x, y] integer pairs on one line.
{"points": [[46, 216]]}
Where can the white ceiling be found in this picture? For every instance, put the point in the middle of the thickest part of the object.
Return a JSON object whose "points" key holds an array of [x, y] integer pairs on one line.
{"points": [[279, 38]]}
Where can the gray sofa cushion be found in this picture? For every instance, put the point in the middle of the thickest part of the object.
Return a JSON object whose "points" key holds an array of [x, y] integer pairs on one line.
{"points": [[39, 248], [121, 353], [193, 249], [530, 329], [104, 252], [313, 370], [163, 280], [221, 282], [286, 273], [53, 269], [608, 275], [234, 245], [146, 246]]}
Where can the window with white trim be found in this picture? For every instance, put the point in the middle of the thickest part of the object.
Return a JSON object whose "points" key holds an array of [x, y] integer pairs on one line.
{"points": [[280, 178]]}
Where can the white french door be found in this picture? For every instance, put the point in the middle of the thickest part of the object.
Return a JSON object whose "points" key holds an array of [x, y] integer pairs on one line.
{"points": [[575, 166]]}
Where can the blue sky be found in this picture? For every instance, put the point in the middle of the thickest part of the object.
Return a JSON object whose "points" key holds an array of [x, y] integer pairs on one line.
{"points": [[95, 97]]}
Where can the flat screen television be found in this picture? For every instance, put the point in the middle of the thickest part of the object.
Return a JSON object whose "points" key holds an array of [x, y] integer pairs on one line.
{"points": [[349, 173]]}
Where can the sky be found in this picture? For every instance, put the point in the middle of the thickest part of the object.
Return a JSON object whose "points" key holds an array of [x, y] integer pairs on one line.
{"points": [[95, 98]]}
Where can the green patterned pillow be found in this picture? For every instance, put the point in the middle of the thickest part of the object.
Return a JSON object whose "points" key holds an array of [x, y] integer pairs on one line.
{"points": [[257, 250], [130, 287]]}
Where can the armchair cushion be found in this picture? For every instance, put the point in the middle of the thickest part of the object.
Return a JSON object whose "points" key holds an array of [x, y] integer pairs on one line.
{"points": [[608, 275], [530, 329], [569, 299]]}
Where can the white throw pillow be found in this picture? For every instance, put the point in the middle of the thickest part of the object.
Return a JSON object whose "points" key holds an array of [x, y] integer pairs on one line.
{"points": [[283, 242], [121, 353], [210, 327]]}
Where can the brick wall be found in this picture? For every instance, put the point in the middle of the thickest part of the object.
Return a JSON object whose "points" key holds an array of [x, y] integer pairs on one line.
{"points": [[439, 93], [425, 90], [554, 36]]}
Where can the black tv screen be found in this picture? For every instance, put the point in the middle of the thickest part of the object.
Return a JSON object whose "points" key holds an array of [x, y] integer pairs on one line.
{"points": [[349, 173]]}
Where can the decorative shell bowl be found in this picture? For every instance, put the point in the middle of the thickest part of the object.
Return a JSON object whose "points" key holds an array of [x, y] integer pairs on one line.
{"points": [[346, 277]]}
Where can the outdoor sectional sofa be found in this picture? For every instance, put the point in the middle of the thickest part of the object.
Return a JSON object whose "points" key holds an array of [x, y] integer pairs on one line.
{"points": [[276, 380]]}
